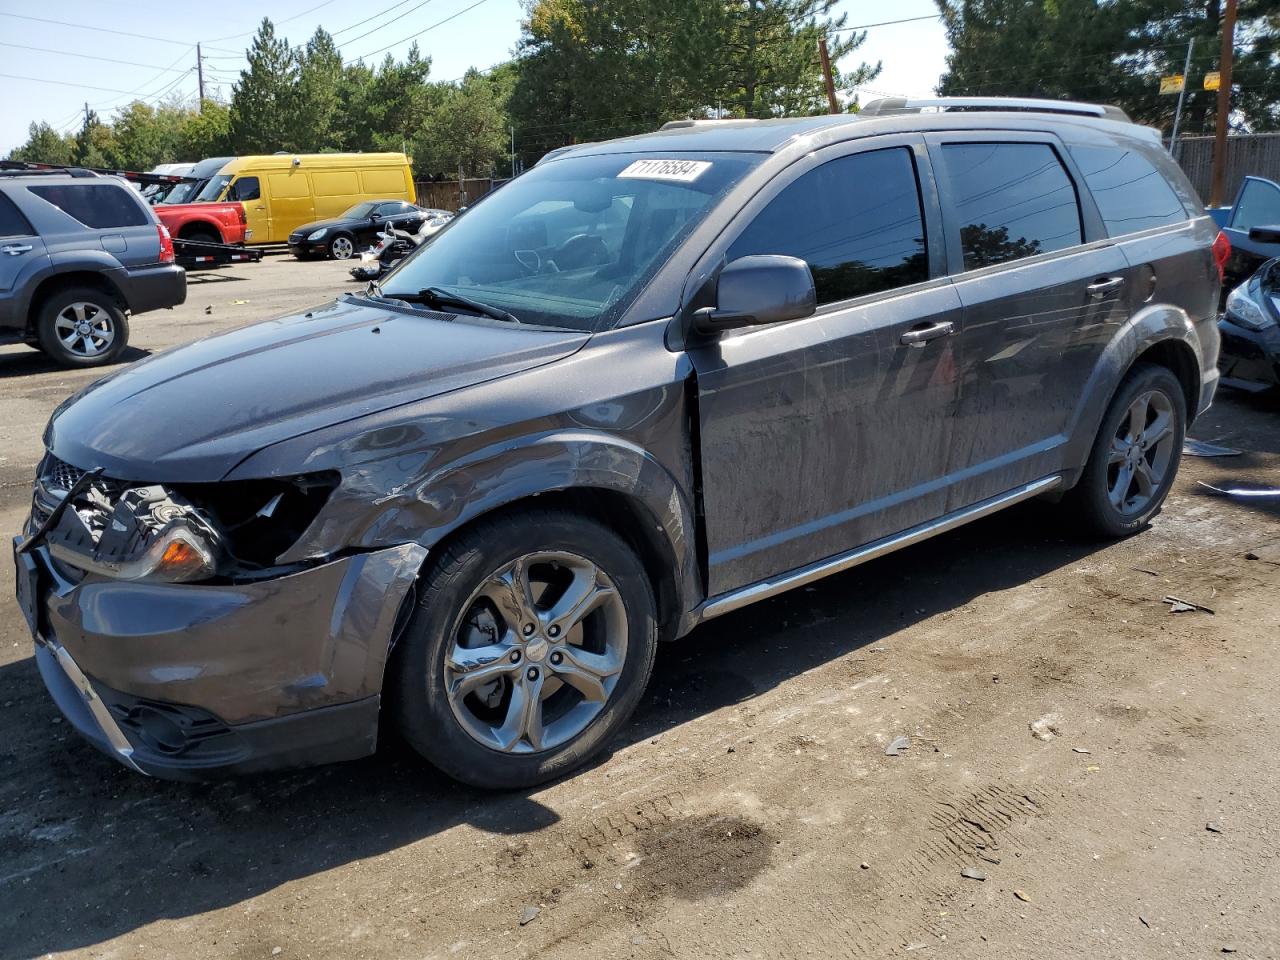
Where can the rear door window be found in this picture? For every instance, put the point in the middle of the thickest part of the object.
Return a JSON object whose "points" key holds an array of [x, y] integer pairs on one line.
{"points": [[1131, 194], [1258, 206], [101, 206], [12, 222], [857, 221], [1010, 200]]}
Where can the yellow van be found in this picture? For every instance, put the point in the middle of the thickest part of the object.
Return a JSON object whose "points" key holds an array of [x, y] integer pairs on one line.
{"points": [[284, 191]]}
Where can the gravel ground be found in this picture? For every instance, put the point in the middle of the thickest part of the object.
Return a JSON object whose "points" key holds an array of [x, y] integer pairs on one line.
{"points": [[750, 809]]}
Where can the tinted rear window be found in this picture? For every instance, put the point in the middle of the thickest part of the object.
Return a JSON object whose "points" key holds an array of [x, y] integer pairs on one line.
{"points": [[1130, 192], [856, 221], [12, 222], [96, 205], [1012, 200]]}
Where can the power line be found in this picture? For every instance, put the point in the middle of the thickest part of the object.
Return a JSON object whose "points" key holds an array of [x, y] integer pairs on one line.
{"points": [[388, 23], [296, 16], [88, 56], [63, 83], [413, 36], [886, 23], [85, 26]]}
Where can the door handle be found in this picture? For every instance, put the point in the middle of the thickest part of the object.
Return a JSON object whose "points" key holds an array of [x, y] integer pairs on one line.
{"points": [[919, 336], [14, 249], [1100, 288]]}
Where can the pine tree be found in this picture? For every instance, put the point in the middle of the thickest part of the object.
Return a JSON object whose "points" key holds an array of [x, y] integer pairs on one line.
{"points": [[264, 98]]}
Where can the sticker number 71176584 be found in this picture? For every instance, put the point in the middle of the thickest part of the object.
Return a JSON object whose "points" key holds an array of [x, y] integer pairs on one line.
{"points": [[679, 171]]}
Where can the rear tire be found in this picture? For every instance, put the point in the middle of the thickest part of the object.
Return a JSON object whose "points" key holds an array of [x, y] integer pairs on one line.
{"points": [[504, 687], [82, 327], [1135, 456]]}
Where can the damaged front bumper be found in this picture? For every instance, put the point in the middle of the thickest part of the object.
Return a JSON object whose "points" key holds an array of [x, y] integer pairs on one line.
{"points": [[195, 680]]}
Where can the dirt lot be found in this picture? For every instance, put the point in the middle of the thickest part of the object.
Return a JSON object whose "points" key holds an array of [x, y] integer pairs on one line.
{"points": [[750, 809]]}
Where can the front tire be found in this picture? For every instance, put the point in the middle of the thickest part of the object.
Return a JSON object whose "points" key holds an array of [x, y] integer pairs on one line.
{"points": [[1135, 456], [82, 327], [342, 247], [528, 649]]}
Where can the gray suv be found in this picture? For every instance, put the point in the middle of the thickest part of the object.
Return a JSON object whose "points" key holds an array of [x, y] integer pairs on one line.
{"points": [[79, 253], [647, 383]]}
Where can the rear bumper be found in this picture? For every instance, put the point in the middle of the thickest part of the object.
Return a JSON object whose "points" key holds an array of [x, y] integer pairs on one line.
{"points": [[1249, 359], [152, 288], [198, 681]]}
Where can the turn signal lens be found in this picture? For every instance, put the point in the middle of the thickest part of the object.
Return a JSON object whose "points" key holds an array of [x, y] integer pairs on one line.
{"points": [[181, 561]]}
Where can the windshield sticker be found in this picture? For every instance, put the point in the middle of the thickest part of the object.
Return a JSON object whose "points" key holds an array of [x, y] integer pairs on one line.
{"points": [[676, 171]]}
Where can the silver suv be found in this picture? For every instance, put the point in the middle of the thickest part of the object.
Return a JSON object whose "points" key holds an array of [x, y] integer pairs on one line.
{"points": [[647, 383], [79, 253]]}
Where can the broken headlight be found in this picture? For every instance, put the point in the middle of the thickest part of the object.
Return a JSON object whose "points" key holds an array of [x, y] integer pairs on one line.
{"points": [[183, 532], [147, 533]]}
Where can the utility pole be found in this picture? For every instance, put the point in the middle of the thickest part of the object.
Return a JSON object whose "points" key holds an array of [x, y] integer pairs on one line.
{"points": [[86, 114], [513, 151], [1224, 105], [200, 78], [833, 105], [1177, 116]]}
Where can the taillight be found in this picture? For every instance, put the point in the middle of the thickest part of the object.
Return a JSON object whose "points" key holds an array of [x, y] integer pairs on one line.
{"points": [[166, 243], [1221, 253]]}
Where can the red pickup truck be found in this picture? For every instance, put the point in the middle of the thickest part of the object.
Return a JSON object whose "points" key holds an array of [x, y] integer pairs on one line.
{"points": [[204, 222]]}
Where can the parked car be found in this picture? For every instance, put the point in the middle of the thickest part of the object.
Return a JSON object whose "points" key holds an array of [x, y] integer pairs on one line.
{"points": [[200, 174], [1250, 325], [281, 192], [341, 237], [647, 383], [1257, 205], [79, 255], [205, 222]]}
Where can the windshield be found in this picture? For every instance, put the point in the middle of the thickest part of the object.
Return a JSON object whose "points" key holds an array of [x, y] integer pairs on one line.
{"points": [[572, 242], [359, 211], [182, 192], [213, 189]]}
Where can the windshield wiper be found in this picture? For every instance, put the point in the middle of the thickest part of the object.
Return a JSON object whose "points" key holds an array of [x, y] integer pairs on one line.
{"points": [[439, 298]]}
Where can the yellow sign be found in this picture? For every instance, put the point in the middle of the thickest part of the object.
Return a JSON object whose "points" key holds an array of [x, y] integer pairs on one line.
{"points": [[1173, 84], [1212, 81]]}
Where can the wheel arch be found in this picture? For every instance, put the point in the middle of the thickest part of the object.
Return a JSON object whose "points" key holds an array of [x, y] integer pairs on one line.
{"points": [[1161, 334], [200, 226], [55, 283]]}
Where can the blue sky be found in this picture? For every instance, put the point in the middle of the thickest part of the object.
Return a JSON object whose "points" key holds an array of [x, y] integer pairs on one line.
{"points": [[109, 69]]}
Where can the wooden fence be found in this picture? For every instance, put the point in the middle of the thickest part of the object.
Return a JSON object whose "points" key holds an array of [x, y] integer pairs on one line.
{"points": [[1253, 154], [452, 194]]}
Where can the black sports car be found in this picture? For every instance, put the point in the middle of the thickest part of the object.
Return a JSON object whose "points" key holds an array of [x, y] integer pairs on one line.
{"points": [[341, 237]]}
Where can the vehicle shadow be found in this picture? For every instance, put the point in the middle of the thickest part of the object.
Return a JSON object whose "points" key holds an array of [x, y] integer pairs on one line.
{"points": [[29, 362], [91, 851]]}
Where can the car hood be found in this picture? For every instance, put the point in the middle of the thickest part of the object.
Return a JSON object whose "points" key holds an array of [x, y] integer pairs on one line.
{"points": [[336, 223], [192, 414]]}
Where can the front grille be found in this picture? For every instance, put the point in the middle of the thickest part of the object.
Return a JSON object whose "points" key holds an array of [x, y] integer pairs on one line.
{"points": [[59, 475]]}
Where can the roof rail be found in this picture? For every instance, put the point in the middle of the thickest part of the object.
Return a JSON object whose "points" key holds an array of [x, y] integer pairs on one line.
{"points": [[18, 168], [710, 121], [898, 105]]}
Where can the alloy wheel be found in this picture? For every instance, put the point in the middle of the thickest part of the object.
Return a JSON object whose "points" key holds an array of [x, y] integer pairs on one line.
{"points": [[342, 248], [1141, 453], [537, 652], [85, 329]]}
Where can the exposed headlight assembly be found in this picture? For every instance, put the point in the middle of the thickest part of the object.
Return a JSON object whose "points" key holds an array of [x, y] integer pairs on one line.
{"points": [[150, 534], [1244, 310], [317, 234], [189, 532]]}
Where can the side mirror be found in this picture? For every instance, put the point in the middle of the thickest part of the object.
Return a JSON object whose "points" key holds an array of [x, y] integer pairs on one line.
{"points": [[752, 291], [1265, 234]]}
